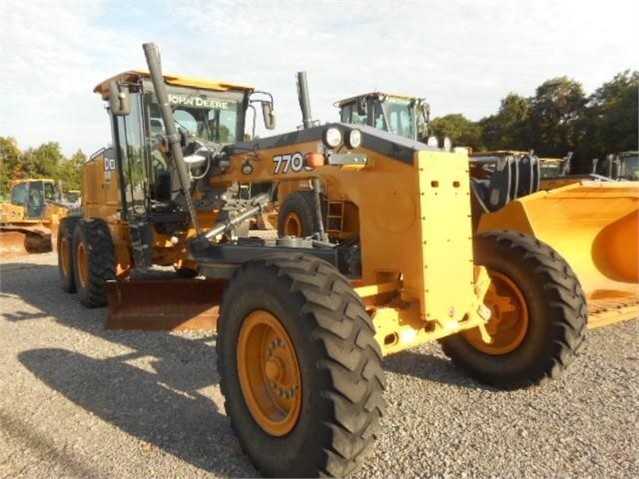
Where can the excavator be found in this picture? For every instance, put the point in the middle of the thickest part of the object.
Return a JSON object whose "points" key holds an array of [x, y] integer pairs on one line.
{"points": [[29, 220], [303, 322]]}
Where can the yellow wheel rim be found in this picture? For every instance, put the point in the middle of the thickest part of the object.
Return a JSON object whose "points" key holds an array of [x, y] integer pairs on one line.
{"points": [[65, 256], [293, 225], [510, 318], [83, 265], [269, 373]]}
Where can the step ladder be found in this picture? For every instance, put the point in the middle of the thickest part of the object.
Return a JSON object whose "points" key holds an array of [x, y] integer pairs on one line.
{"points": [[335, 217], [141, 243]]}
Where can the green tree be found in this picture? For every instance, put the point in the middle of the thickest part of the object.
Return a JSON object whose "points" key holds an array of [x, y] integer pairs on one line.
{"points": [[44, 161], [460, 130], [510, 128], [9, 163], [557, 108], [70, 171], [610, 124]]}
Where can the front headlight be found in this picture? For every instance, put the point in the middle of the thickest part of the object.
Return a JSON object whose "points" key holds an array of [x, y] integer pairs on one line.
{"points": [[354, 139], [332, 137]]}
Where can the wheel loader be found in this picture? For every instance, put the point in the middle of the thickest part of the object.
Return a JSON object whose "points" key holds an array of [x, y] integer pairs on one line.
{"points": [[402, 115], [303, 323], [29, 220]]}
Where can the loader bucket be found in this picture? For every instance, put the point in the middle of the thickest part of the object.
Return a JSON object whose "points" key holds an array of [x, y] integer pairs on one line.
{"points": [[167, 305], [595, 227]]}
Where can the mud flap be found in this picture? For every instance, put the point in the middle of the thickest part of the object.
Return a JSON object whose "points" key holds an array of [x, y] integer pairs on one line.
{"points": [[166, 305]]}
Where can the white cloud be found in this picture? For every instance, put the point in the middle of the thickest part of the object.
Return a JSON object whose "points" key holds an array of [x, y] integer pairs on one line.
{"points": [[464, 57]]}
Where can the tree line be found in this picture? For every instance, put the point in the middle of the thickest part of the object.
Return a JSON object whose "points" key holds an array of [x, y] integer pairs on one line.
{"points": [[559, 118], [45, 161]]}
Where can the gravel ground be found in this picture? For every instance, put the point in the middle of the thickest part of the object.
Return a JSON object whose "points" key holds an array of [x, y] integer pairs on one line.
{"points": [[79, 401]]}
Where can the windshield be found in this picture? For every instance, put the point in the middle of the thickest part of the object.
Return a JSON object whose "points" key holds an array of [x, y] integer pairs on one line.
{"points": [[398, 116], [208, 115], [630, 167], [550, 169]]}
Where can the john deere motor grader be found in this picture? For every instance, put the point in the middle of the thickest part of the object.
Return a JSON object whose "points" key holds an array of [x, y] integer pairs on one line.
{"points": [[304, 322]]}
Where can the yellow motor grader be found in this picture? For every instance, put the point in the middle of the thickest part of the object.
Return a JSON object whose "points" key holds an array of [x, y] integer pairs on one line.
{"points": [[303, 323], [29, 220]]}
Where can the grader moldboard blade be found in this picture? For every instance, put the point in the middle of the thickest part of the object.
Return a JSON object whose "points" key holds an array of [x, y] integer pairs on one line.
{"points": [[166, 305], [595, 227], [22, 240]]}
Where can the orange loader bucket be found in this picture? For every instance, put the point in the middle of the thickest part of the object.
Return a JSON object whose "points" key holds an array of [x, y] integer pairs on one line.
{"points": [[595, 227]]}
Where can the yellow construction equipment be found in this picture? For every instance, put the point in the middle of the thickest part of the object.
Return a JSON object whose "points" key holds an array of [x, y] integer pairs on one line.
{"points": [[29, 221], [402, 115], [303, 323], [619, 166]]}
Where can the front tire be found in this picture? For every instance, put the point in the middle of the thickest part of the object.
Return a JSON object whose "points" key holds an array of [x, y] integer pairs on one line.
{"points": [[538, 310], [94, 258], [300, 368]]}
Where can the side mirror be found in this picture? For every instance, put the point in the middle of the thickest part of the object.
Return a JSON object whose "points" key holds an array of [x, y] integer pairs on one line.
{"points": [[119, 100], [268, 114]]}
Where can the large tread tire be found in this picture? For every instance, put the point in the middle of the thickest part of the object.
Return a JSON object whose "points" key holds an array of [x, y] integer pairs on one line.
{"points": [[65, 254], [94, 261], [298, 215], [556, 307], [340, 366]]}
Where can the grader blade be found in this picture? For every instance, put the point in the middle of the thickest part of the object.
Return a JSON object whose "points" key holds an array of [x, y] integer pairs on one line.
{"points": [[166, 305], [595, 227], [12, 243], [24, 240]]}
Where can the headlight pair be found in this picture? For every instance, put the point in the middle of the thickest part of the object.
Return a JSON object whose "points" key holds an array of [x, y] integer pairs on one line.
{"points": [[333, 138]]}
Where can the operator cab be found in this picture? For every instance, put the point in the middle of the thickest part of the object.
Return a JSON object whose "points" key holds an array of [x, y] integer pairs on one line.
{"points": [[401, 115], [207, 114], [33, 195]]}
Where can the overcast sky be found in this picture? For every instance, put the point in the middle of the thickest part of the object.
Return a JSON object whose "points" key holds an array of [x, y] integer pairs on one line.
{"points": [[462, 56]]}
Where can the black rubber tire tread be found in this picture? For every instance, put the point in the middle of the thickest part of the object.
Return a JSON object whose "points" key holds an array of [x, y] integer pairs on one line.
{"points": [[301, 202], [98, 244], [557, 314], [340, 363], [65, 230]]}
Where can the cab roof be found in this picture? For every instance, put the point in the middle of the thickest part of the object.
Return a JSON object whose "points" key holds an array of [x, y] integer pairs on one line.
{"points": [[351, 99], [130, 76]]}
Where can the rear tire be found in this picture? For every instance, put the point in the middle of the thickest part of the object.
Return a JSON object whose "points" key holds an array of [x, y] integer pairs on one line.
{"points": [[298, 215], [539, 314], [94, 261], [300, 368], [66, 263]]}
